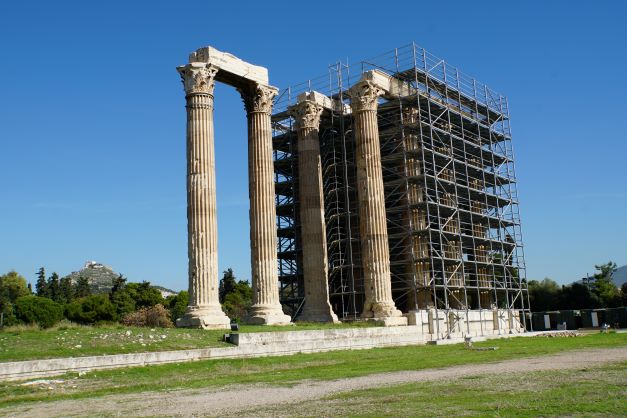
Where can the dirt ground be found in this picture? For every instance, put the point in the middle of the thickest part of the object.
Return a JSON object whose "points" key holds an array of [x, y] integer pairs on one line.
{"points": [[241, 400]]}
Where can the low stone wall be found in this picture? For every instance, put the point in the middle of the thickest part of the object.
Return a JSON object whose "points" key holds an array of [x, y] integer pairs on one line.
{"points": [[51, 367], [440, 324], [257, 344], [332, 339]]}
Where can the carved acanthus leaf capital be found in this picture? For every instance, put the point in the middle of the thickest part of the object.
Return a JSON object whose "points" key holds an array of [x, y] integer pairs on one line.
{"points": [[365, 96], [307, 114], [259, 98], [198, 78]]}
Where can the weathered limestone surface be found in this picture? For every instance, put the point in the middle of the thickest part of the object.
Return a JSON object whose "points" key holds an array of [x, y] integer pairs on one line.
{"points": [[462, 323], [372, 222], [202, 233], [266, 307], [391, 87], [206, 66], [313, 229], [233, 71], [324, 101]]}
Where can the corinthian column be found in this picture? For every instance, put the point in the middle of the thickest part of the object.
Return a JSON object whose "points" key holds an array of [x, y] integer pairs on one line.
{"points": [[313, 230], [375, 252], [204, 309], [266, 307]]}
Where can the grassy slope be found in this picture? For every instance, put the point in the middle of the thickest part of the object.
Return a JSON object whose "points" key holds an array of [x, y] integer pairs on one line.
{"points": [[287, 370], [27, 343], [31, 344], [583, 392]]}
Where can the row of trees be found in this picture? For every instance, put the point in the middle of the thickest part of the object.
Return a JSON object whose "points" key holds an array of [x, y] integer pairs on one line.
{"points": [[132, 303], [598, 292], [60, 290], [129, 303]]}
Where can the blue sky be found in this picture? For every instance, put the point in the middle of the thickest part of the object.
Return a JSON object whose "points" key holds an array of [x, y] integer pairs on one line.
{"points": [[92, 119]]}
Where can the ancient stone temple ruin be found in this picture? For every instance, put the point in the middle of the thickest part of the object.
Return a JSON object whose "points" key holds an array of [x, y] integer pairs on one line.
{"points": [[205, 67], [384, 190]]}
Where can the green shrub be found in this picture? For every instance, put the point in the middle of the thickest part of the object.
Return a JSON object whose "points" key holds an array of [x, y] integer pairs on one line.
{"points": [[8, 318], [91, 309], [121, 298], [237, 302], [155, 316], [37, 310], [177, 304], [12, 287], [144, 294]]}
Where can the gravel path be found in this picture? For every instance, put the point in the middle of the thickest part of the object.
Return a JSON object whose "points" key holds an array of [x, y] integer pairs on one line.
{"points": [[237, 400]]}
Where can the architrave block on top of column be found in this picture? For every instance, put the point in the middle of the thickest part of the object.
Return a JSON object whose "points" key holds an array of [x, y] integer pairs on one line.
{"points": [[232, 70]]}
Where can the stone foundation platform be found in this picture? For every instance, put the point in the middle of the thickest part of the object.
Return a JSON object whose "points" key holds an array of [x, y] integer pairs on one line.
{"points": [[256, 344], [439, 324]]}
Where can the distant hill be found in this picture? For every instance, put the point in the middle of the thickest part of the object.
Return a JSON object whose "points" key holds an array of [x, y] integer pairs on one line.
{"points": [[620, 276], [101, 278]]}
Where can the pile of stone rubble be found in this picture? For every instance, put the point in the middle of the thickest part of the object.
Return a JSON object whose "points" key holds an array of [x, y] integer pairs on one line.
{"points": [[560, 334]]}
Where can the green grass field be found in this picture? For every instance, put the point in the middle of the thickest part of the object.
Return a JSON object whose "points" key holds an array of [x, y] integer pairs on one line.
{"points": [[596, 391], [70, 340], [291, 369]]}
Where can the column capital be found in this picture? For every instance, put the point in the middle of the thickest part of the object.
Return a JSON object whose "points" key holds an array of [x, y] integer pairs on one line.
{"points": [[198, 78], [364, 96], [258, 98], [306, 114]]}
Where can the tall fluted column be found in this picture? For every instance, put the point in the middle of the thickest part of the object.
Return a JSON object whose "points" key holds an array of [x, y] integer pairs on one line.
{"points": [[375, 253], [266, 308], [313, 230], [204, 309]]}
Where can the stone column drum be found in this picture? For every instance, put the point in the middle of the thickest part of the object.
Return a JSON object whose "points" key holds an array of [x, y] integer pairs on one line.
{"points": [[266, 308], [378, 304], [312, 225], [204, 309]]}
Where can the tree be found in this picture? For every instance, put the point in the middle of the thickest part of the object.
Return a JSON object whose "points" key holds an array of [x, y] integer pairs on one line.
{"points": [[177, 304], [82, 288], [120, 297], [544, 295], [53, 287], [118, 284], [41, 286], [12, 287], [144, 294], [227, 284], [235, 296], [66, 291], [91, 310], [605, 271], [238, 301], [37, 310], [603, 285], [578, 296]]}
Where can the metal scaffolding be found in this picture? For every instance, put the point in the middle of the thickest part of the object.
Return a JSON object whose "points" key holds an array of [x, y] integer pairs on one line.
{"points": [[450, 188]]}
